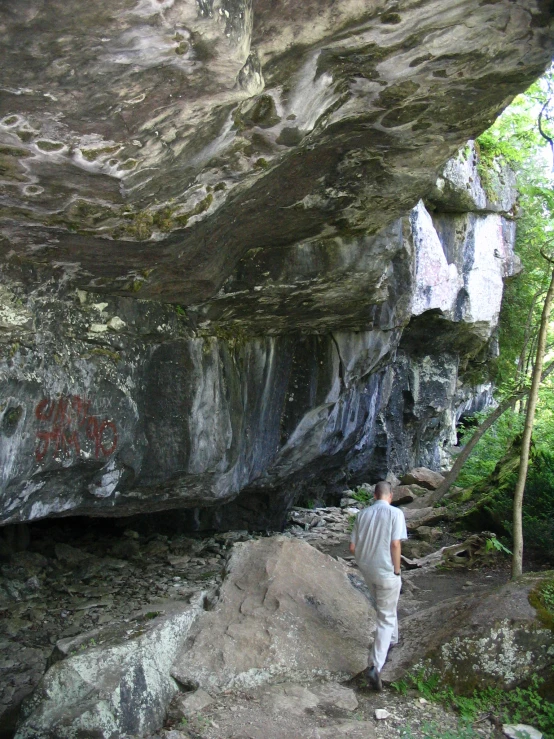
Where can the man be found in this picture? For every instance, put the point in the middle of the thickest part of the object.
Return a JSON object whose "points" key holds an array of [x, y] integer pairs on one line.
{"points": [[375, 544]]}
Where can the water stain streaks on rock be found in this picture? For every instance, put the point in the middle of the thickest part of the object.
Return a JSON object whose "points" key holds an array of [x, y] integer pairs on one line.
{"points": [[233, 262]]}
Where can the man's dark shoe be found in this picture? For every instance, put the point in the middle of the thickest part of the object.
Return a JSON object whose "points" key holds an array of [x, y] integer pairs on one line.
{"points": [[374, 678]]}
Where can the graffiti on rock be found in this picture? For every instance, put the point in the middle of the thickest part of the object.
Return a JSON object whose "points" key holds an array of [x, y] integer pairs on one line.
{"points": [[68, 426]]}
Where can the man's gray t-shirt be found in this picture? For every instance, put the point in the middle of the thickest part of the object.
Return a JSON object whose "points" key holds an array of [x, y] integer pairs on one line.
{"points": [[373, 532]]}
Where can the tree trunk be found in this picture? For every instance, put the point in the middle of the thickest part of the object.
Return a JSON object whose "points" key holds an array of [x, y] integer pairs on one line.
{"points": [[517, 560]]}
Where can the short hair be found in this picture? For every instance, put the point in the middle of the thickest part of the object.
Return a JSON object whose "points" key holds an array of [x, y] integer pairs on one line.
{"points": [[382, 489]]}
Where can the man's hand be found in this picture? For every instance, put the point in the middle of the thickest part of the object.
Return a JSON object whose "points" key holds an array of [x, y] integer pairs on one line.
{"points": [[352, 547], [395, 550]]}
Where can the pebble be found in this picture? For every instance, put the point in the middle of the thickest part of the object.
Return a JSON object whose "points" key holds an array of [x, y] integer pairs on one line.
{"points": [[381, 714]]}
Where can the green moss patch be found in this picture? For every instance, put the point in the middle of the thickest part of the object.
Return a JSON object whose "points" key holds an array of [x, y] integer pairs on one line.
{"points": [[49, 146], [542, 600], [92, 154], [14, 151]]}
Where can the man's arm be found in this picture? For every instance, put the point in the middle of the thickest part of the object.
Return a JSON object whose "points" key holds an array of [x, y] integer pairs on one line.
{"points": [[395, 549], [352, 547]]}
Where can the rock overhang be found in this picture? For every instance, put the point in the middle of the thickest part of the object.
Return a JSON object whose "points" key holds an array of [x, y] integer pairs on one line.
{"points": [[326, 316], [148, 147]]}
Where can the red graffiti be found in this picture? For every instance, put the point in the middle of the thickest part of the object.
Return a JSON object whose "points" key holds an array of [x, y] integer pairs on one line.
{"points": [[70, 426]]}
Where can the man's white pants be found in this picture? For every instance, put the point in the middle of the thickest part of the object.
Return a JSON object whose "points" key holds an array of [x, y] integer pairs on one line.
{"points": [[384, 594]]}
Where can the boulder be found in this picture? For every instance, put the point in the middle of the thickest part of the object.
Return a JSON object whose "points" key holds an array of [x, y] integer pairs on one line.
{"points": [[188, 704], [424, 498], [424, 477], [113, 681], [494, 638], [404, 494], [286, 612], [70, 556], [429, 534], [416, 517], [415, 549]]}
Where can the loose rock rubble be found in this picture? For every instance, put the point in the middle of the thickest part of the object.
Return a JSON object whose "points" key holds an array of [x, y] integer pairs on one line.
{"points": [[65, 583], [56, 590]]}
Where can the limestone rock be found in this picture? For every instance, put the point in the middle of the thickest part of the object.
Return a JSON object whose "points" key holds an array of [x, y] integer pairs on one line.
{"points": [[416, 517], [69, 555], [521, 731], [351, 729], [286, 611], [190, 703], [423, 477], [414, 549], [181, 165], [423, 498], [403, 494], [112, 682], [23, 565], [289, 698], [480, 639], [295, 699], [335, 695], [461, 187], [306, 318], [428, 534]]}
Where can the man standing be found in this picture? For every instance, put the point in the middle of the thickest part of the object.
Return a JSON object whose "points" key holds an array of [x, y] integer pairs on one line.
{"points": [[375, 544]]}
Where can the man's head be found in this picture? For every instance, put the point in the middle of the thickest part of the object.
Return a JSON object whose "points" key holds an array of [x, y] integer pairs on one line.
{"points": [[383, 491]]}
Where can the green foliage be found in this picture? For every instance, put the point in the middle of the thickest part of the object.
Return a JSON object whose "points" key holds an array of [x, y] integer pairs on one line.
{"points": [[491, 447], [538, 501], [432, 731], [515, 139], [490, 473], [493, 544], [363, 496], [542, 600], [518, 705], [547, 593]]}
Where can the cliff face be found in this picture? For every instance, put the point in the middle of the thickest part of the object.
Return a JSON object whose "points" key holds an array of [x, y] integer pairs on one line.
{"points": [[218, 275], [115, 405]]}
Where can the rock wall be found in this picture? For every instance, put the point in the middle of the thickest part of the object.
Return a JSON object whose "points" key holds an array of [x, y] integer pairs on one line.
{"points": [[228, 269], [113, 405]]}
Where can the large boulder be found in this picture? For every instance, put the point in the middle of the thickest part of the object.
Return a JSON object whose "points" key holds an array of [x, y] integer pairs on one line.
{"points": [[111, 682], [416, 517], [423, 477], [286, 612], [494, 638]]}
